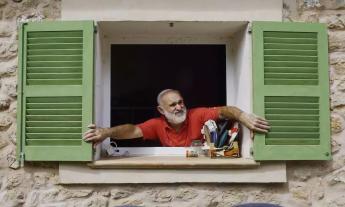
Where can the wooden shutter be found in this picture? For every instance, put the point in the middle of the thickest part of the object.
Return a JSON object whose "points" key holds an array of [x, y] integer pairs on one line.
{"points": [[55, 90], [291, 90]]}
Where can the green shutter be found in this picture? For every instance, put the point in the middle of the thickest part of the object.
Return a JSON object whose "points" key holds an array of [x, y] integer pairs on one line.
{"points": [[55, 90], [291, 90]]}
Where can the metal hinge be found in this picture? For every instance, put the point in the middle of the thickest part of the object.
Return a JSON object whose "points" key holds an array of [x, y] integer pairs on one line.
{"points": [[249, 27], [21, 159], [95, 29]]}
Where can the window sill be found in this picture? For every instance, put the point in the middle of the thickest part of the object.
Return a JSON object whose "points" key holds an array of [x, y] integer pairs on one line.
{"points": [[172, 162]]}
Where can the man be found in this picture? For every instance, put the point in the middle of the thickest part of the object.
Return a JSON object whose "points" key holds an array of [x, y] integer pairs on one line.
{"points": [[177, 127]]}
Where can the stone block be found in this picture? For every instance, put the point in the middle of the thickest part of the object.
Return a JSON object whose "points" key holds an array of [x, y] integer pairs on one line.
{"points": [[336, 177], [3, 3], [299, 190], [332, 4], [95, 201], [120, 193], [336, 41], [163, 196], [333, 21], [5, 120], [186, 194], [7, 28], [337, 61], [14, 179], [9, 86], [337, 122]]}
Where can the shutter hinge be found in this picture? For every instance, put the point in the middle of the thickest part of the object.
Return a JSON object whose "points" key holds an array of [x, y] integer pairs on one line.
{"points": [[95, 29], [249, 27], [21, 159], [251, 151]]}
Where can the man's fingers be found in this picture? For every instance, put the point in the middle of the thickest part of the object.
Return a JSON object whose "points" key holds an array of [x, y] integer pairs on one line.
{"points": [[256, 129], [90, 131], [91, 138], [262, 126], [91, 126], [263, 122], [88, 135]]}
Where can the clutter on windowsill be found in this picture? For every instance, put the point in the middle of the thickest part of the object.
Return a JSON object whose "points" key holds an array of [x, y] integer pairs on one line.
{"points": [[220, 141]]}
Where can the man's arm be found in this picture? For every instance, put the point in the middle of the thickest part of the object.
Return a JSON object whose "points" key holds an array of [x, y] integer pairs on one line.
{"points": [[125, 131], [251, 121]]}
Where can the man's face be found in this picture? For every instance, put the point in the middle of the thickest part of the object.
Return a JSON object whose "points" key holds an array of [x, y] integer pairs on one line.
{"points": [[173, 108]]}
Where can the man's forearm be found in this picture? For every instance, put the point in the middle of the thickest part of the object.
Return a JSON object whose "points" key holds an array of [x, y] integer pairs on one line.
{"points": [[125, 131], [230, 112]]}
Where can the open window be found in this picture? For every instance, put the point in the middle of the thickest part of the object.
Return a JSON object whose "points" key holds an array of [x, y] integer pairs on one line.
{"points": [[283, 66], [209, 62]]}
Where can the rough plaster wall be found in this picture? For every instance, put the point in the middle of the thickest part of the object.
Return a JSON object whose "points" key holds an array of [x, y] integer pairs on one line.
{"points": [[310, 183]]}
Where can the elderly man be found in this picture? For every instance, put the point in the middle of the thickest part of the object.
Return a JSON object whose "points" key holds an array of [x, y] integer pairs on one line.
{"points": [[177, 127]]}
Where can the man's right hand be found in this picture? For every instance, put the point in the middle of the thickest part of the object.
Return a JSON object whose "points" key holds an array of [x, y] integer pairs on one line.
{"points": [[95, 135]]}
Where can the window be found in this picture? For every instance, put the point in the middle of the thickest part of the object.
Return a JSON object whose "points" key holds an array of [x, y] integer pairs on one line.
{"points": [[290, 82], [187, 43]]}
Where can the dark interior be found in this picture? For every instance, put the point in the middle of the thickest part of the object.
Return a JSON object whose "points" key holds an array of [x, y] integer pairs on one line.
{"points": [[140, 72]]}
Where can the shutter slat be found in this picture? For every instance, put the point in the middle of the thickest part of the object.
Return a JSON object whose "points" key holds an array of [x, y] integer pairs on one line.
{"points": [[290, 64], [290, 58], [57, 46], [288, 141], [53, 129], [287, 34], [290, 40], [55, 51], [51, 100], [54, 58], [291, 111], [53, 105], [294, 129], [53, 112], [35, 34], [54, 136], [291, 105], [292, 117], [290, 81], [293, 135], [55, 40], [54, 63], [33, 76], [279, 123], [53, 123], [290, 46], [290, 70], [290, 52], [291, 76], [54, 70], [54, 82], [53, 142], [53, 118]]}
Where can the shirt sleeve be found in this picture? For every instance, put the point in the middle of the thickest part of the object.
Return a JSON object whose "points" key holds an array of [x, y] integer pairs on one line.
{"points": [[149, 129], [209, 113]]}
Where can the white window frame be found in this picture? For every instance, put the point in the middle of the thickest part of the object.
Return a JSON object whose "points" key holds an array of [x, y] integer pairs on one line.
{"points": [[233, 35]]}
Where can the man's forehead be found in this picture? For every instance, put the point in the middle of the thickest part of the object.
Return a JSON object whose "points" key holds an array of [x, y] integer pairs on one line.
{"points": [[171, 96]]}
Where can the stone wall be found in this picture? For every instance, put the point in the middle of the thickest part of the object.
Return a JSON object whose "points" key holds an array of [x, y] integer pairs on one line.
{"points": [[309, 183]]}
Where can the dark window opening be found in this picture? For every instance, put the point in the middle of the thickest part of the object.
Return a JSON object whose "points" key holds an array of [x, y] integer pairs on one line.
{"points": [[140, 72]]}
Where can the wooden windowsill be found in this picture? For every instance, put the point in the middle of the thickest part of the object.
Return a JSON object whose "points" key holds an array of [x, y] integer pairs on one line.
{"points": [[173, 162]]}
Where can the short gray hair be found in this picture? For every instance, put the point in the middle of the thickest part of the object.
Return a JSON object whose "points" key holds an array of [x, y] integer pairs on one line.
{"points": [[163, 92]]}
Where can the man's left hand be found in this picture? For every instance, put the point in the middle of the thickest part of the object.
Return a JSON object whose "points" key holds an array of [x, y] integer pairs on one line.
{"points": [[254, 122]]}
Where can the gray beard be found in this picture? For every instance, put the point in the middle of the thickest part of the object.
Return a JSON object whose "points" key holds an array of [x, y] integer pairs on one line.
{"points": [[176, 118]]}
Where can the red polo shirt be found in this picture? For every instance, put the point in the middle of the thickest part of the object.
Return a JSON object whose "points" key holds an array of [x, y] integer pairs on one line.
{"points": [[159, 129]]}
